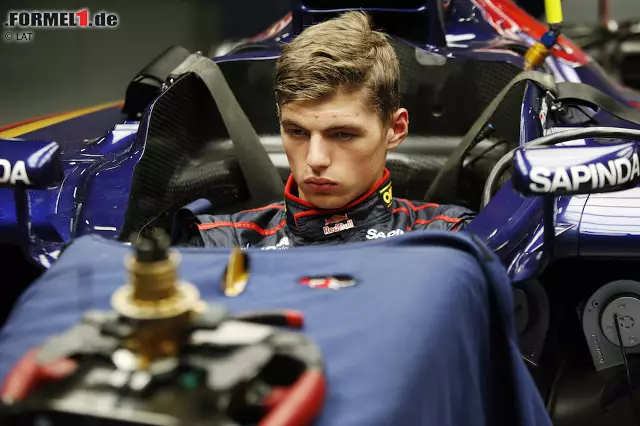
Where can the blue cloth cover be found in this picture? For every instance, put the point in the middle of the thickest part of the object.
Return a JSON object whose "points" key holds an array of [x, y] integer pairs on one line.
{"points": [[425, 337]]}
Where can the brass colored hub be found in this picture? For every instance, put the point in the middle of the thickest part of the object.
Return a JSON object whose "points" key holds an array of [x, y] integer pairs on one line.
{"points": [[157, 304], [157, 339], [154, 292]]}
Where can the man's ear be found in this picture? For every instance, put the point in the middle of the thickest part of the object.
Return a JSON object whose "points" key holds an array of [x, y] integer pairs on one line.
{"points": [[398, 128]]}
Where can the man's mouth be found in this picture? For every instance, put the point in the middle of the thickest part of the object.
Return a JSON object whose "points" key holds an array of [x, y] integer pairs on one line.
{"points": [[319, 184], [320, 181]]}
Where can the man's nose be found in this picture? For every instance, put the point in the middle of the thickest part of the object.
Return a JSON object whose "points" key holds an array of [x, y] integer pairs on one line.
{"points": [[318, 155]]}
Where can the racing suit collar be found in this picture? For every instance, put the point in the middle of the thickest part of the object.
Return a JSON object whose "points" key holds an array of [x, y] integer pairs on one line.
{"points": [[317, 224]]}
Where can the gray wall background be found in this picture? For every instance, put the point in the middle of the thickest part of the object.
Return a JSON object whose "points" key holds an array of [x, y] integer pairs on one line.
{"points": [[71, 68], [587, 10], [67, 69]]}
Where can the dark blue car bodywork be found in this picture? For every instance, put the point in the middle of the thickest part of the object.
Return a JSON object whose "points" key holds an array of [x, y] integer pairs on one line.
{"points": [[93, 197]]}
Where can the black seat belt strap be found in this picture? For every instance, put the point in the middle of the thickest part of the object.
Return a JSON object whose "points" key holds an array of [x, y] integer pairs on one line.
{"points": [[262, 177], [579, 93], [445, 184]]}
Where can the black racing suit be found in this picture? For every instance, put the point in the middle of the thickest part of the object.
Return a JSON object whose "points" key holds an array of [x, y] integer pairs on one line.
{"points": [[295, 222]]}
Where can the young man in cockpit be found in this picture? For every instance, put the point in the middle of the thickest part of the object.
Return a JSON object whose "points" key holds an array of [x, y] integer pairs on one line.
{"points": [[337, 91]]}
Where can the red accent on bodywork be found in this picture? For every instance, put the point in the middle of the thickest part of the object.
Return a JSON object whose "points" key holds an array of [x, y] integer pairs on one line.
{"points": [[273, 29], [506, 16]]}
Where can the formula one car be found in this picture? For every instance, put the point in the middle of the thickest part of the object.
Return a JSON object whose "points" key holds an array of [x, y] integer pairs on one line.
{"points": [[562, 218]]}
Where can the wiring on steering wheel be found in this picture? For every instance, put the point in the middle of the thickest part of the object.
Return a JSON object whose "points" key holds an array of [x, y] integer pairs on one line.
{"points": [[628, 371]]}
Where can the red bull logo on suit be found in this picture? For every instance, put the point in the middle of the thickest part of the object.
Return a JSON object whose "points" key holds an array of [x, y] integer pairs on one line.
{"points": [[340, 222]]}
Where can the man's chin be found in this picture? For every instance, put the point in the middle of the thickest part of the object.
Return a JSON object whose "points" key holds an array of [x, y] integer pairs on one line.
{"points": [[327, 202]]}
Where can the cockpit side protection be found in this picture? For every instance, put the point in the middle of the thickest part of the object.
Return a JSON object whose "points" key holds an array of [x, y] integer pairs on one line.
{"points": [[445, 184]]}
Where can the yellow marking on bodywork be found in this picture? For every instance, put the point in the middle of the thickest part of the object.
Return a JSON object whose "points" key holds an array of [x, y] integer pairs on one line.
{"points": [[50, 121]]}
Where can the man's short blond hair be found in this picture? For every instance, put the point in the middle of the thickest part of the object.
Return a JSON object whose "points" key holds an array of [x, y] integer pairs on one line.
{"points": [[343, 53]]}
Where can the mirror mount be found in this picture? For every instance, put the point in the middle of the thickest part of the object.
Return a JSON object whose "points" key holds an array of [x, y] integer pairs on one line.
{"points": [[553, 171], [23, 217], [571, 170], [549, 229]]}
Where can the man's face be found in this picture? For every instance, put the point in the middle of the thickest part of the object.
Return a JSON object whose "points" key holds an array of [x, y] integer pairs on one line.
{"points": [[337, 146]]}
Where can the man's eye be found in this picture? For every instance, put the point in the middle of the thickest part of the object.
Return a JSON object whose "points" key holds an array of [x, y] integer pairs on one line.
{"points": [[345, 136], [296, 133]]}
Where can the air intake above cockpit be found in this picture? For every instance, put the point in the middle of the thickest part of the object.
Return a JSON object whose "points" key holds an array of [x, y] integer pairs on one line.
{"points": [[416, 21]]}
